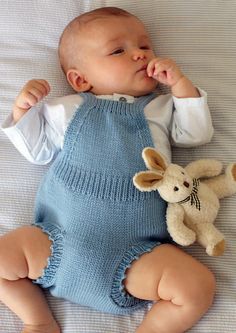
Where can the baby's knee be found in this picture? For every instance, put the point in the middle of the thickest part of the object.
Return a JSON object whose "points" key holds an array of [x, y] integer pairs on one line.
{"points": [[12, 262], [199, 294], [23, 253]]}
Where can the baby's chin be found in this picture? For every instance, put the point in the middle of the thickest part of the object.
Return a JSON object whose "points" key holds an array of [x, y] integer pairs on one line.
{"points": [[137, 91], [145, 91]]}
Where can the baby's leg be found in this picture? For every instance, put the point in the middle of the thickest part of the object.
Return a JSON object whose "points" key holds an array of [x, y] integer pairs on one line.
{"points": [[183, 288], [23, 256]]}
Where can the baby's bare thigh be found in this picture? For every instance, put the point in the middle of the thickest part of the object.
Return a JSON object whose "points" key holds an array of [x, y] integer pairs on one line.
{"points": [[23, 253], [166, 273]]}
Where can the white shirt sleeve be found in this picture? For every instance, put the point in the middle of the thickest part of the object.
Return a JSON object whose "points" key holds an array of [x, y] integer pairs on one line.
{"points": [[39, 134], [191, 123], [183, 122]]}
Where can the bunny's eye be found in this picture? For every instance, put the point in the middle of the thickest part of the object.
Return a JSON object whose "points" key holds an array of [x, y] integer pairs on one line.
{"points": [[176, 188], [182, 172]]}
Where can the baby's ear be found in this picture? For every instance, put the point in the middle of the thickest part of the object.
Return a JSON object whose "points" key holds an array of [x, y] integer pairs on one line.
{"points": [[147, 181], [77, 80], [153, 159]]}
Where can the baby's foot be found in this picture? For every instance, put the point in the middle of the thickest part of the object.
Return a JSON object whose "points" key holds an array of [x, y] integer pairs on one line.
{"points": [[48, 328]]}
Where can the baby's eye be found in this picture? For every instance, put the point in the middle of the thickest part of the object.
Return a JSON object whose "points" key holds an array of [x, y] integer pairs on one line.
{"points": [[118, 51], [144, 47]]}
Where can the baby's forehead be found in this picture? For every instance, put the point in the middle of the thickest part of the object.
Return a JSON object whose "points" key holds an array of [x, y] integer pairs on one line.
{"points": [[109, 27]]}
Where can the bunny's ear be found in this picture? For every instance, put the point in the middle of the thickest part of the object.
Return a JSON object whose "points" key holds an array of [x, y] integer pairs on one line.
{"points": [[147, 181], [153, 159]]}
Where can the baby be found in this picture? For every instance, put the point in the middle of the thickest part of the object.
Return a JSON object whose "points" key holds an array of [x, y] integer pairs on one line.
{"points": [[96, 240]]}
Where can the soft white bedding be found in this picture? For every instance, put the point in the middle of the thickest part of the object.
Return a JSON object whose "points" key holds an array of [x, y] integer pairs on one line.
{"points": [[201, 37]]}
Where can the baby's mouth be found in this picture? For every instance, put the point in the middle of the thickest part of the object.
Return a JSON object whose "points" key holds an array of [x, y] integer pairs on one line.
{"points": [[143, 68]]}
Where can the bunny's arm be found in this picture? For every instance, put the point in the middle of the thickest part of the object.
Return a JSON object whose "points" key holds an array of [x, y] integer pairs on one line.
{"points": [[204, 168], [178, 231]]}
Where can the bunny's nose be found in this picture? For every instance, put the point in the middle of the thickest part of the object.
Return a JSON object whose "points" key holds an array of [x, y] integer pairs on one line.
{"points": [[186, 184]]}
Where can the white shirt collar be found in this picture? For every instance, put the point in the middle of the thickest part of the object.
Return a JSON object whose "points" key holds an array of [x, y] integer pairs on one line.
{"points": [[118, 97]]}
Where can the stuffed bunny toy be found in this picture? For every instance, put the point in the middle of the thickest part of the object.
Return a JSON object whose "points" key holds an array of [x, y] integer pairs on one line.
{"points": [[193, 204]]}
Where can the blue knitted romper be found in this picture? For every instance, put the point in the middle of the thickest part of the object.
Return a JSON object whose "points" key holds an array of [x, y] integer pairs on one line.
{"points": [[98, 221]]}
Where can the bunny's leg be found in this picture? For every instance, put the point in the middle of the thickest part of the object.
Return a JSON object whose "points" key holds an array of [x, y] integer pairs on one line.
{"points": [[210, 238]]}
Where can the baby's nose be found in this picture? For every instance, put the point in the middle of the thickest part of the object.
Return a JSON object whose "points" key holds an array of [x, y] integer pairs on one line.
{"points": [[138, 54]]}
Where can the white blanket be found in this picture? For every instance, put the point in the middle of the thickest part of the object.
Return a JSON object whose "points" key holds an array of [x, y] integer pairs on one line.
{"points": [[201, 36]]}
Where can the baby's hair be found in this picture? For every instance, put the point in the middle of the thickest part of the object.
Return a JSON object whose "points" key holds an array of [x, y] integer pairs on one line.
{"points": [[67, 38]]}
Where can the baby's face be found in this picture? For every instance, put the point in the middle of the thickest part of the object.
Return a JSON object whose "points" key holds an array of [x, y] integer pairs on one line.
{"points": [[115, 52]]}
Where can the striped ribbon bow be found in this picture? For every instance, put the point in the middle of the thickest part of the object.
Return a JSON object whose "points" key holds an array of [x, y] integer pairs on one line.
{"points": [[193, 197]]}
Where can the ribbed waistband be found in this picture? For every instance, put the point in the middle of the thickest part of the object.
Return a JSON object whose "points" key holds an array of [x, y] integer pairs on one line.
{"points": [[98, 184]]}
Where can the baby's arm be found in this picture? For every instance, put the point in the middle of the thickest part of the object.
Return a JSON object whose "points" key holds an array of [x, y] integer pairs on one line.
{"points": [[191, 123], [38, 131], [32, 93], [27, 127], [168, 73]]}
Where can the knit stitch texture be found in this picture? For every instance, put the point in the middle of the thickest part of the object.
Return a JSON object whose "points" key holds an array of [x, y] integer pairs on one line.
{"points": [[87, 204]]}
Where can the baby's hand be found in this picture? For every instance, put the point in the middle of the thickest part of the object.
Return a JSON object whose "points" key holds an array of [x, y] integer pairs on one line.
{"points": [[32, 93], [164, 71]]}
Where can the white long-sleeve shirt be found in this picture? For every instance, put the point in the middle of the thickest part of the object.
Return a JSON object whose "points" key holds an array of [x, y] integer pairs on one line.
{"points": [[39, 134]]}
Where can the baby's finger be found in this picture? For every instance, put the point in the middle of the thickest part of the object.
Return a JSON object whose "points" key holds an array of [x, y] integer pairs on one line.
{"points": [[162, 77], [46, 85], [151, 66], [162, 66], [42, 85], [29, 100], [38, 93], [26, 101]]}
